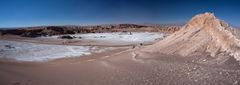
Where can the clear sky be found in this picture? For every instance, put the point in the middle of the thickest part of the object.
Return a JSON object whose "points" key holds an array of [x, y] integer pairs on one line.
{"points": [[20, 13]]}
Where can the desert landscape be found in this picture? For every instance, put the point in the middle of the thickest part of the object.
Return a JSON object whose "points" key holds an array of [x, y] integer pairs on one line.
{"points": [[119, 42], [204, 51]]}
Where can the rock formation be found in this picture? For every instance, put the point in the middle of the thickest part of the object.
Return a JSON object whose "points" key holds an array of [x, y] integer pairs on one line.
{"points": [[204, 33]]}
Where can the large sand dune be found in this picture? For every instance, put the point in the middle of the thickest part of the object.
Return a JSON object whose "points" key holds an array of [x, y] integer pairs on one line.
{"points": [[203, 34]]}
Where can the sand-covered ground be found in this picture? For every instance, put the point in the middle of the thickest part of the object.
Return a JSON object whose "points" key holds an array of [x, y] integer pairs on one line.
{"points": [[122, 67], [125, 66]]}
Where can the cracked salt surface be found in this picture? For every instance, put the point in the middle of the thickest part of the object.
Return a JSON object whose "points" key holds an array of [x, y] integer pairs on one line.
{"points": [[23, 51]]}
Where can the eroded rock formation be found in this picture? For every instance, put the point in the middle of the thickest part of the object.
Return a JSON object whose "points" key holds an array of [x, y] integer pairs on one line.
{"points": [[204, 33]]}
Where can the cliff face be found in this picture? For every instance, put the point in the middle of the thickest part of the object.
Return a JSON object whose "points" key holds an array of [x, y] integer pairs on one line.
{"points": [[203, 33]]}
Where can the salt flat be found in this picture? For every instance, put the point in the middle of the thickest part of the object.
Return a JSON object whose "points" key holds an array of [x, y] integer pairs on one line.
{"points": [[116, 37], [24, 51], [28, 51]]}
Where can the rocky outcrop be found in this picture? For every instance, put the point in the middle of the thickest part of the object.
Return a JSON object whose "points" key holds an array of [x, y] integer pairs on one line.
{"points": [[204, 33], [167, 28], [66, 37]]}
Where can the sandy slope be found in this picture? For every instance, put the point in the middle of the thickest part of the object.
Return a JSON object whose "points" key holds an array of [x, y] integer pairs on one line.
{"points": [[204, 33]]}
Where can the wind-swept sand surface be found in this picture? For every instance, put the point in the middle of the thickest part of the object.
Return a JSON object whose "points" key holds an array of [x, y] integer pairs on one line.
{"points": [[120, 68]]}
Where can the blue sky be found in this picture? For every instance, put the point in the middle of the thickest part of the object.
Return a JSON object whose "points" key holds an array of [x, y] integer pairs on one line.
{"points": [[20, 13]]}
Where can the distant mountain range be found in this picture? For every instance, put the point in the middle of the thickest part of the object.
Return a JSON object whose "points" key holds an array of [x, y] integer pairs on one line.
{"points": [[71, 29]]}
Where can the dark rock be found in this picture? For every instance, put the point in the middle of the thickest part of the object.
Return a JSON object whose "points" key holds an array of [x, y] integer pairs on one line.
{"points": [[9, 46], [66, 37]]}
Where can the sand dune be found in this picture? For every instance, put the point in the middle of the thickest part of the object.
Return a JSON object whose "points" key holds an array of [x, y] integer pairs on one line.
{"points": [[203, 34]]}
